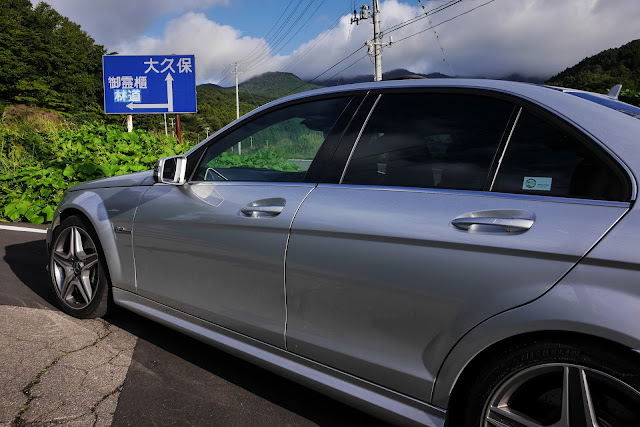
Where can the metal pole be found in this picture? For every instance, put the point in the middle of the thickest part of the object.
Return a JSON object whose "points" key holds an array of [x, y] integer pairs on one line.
{"points": [[178, 128], [166, 132], [377, 41], [237, 104], [129, 123]]}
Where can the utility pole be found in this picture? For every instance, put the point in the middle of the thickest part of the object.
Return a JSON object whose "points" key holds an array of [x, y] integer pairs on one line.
{"points": [[235, 64], [178, 128], [375, 45], [166, 133]]}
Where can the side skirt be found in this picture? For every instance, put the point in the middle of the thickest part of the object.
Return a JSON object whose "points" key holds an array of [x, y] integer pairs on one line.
{"points": [[374, 399]]}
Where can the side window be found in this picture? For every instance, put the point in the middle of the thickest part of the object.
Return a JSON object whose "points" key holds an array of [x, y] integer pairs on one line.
{"points": [[542, 158], [429, 140], [279, 146]]}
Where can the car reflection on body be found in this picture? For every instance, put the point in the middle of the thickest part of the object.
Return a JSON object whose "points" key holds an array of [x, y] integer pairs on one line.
{"points": [[433, 251]]}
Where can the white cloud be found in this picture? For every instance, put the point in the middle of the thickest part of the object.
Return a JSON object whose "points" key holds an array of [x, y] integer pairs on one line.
{"points": [[215, 46], [530, 37], [110, 22]]}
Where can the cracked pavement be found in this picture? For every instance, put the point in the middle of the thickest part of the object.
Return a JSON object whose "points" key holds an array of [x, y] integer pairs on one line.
{"points": [[128, 370], [60, 370]]}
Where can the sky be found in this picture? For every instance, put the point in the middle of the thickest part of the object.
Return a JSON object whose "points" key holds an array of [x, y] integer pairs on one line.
{"points": [[488, 38]]}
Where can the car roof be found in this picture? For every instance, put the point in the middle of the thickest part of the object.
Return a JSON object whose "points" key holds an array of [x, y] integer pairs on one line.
{"points": [[615, 131], [606, 100]]}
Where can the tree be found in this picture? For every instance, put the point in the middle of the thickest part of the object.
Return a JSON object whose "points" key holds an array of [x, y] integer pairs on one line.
{"points": [[46, 60]]}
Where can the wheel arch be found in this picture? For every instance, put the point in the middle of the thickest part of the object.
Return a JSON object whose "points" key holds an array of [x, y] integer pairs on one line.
{"points": [[468, 375], [90, 209], [584, 316]]}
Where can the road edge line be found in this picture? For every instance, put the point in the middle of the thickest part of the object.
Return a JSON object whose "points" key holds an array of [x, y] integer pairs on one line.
{"points": [[27, 229]]}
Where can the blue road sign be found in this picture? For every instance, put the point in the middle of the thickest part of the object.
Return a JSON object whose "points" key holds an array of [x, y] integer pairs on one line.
{"points": [[149, 84]]}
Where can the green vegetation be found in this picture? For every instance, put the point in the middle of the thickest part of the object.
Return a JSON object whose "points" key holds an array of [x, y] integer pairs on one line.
{"points": [[263, 159], [47, 60], [276, 85], [40, 159], [599, 73]]}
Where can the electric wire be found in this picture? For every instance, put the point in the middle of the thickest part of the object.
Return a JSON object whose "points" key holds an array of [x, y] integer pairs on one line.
{"points": [[422, 16], [270, 30], [444, 22], [266, 39], [284, 29], [444, 56], [282, 46], [344, 69], [318, 40], [327, 70]]}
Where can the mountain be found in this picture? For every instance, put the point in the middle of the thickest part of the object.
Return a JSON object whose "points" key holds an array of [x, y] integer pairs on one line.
{"points": [[389, 75], [600, 72], [210, 85], [275, 85]]}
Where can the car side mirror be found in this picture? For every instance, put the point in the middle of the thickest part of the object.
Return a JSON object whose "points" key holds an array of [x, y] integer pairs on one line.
{"points": [[171, 170]]}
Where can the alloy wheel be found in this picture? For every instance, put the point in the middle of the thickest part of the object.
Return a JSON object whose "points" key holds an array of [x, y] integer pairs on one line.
{"points": [[75, 267], [562, 395]]}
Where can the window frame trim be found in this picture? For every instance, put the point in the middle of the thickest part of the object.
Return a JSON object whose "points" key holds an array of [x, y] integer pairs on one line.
{"points": [[525, 105], [194, 159]]}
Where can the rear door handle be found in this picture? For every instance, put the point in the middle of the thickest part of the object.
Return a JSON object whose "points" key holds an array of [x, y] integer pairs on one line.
{"points": [[495, 221], [264, 208]]}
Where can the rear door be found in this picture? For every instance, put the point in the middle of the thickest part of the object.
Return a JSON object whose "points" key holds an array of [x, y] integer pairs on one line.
{"points": [[431, 229]]}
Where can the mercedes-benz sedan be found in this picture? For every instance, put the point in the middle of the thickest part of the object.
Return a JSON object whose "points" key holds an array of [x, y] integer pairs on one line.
{"points": [[433, 251]]}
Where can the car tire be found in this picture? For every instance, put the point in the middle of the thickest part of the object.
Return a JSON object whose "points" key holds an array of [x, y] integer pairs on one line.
{"points": [[570, 383], [78, 269]]}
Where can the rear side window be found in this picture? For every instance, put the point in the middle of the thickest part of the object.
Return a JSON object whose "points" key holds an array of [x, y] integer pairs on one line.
{"points": [[429, 140], [544, 159]]}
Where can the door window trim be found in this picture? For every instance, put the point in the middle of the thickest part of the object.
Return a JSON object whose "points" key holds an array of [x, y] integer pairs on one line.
{"points": [[338, 129], [524, 105]]}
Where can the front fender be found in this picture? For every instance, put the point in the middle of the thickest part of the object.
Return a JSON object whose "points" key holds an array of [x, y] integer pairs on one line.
{"points": [[111, 212]]}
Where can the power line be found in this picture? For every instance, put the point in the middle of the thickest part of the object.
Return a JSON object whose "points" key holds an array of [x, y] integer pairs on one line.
{"points": [[262, 56], [326, 71], [318, 40], [444, 56], [250, 94], [265, 39], [222, 74], [444, 22], [421, 16], [265, 49], [291, 37], [346, 68]]}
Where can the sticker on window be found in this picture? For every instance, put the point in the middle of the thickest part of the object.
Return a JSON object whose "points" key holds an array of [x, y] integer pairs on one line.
{"points": [[536, 183]]}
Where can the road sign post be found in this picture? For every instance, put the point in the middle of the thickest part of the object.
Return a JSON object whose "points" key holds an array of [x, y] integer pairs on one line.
{"points": [[149, 84]]}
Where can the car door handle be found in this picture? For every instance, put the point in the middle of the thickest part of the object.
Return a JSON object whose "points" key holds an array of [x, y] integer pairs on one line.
{"points": [[264, 208], [496, 221], [271, 210]]}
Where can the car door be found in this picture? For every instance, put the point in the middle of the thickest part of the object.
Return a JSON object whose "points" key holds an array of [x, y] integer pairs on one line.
{"points": [[215, 247], [433, 227]]}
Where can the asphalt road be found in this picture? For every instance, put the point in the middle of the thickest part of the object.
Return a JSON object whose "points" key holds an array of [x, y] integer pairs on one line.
{"points": [[148, 374]]}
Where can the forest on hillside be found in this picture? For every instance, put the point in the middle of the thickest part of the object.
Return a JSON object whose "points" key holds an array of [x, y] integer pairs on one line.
{"points": [[601, 72], [49, 62]]}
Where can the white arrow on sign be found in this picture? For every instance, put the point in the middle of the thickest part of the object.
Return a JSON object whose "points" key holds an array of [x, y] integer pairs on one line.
{"points": [[168, 105]]}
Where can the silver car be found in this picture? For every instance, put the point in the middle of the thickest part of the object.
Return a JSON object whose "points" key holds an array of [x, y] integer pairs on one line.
{"points": [[435, 252]]}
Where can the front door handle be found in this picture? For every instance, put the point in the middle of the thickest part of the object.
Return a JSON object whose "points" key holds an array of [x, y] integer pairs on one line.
{"points": [[264, 208], [256, 210], [495, 221]]}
